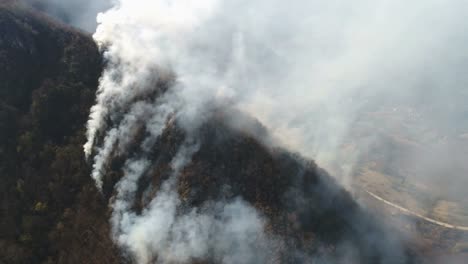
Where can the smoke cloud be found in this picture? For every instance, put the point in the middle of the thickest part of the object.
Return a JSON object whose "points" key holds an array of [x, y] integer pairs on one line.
{"points": [[230, 232], [310, 71], [79, 13], [313, 72]]}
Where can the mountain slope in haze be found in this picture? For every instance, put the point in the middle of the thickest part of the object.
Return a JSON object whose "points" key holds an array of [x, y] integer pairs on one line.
{"points": [[51, 211], [314, 218]]}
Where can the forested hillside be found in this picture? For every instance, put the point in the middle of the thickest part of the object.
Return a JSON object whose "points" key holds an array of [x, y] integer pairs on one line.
{"points": [[50, 210]]}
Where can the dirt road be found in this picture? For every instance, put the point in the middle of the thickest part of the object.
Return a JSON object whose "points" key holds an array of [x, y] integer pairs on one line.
{"points": [[409, 212]]}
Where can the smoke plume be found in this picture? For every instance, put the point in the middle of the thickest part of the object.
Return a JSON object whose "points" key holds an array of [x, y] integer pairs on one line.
{"points": [[310, 71]]}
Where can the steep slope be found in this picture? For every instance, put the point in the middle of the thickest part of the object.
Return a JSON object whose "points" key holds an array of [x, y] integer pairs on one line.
{"points": [[304, 208]]}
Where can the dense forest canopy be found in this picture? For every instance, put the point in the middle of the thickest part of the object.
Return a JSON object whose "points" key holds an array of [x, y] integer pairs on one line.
{"points": [[50, 210]]}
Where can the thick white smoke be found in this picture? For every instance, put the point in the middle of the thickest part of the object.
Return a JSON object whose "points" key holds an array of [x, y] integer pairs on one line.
{"points": [[141, 52], [230, 232], [306, 69]]}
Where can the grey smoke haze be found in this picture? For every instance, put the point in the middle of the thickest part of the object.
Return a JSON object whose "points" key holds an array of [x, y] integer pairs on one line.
{"points": [[79, 13], [307, 69], [313, 72]]}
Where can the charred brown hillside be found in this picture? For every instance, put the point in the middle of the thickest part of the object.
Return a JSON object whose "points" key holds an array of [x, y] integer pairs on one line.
{"points": [[314, 217]]}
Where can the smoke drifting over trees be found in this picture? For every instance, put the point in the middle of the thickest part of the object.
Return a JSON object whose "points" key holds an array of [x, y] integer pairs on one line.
{"points": [[329, 65], [201, 102], [305, 69], [310, 71]]}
